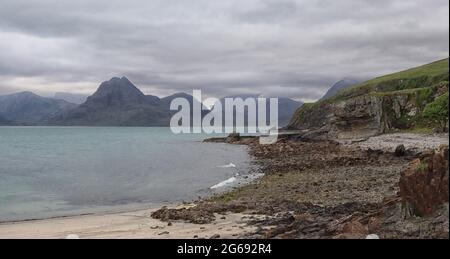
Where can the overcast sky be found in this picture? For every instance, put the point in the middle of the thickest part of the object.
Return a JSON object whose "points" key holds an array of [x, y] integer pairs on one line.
{"points": [[293, 48]]}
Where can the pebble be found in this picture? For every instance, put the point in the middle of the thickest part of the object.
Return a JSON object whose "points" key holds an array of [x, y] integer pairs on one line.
{"points": [[72, 236], [372, 236], [216, 236]]}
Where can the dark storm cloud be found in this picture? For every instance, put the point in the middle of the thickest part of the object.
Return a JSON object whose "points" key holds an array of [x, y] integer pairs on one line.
{"points": [[274, 47]]}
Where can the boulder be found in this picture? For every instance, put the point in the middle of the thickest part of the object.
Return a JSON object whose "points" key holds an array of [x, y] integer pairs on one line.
{"points": [[424, 184], [400, 151]]}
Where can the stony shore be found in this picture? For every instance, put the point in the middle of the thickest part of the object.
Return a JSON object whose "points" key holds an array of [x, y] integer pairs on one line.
{"points": [[327, 189]]}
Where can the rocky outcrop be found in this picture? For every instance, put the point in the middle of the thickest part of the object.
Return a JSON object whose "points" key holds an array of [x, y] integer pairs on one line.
{"points": [[391, 102], [365, 115], [424, 184]]}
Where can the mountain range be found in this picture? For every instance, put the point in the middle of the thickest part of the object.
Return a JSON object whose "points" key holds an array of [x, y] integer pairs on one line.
{"points": [[286, 108], [117, 102]]}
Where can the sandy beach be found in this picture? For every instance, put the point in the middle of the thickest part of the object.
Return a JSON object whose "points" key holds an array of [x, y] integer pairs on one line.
{"points": [[125, 225]]}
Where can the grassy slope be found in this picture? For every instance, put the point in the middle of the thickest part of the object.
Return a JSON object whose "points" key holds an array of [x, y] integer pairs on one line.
{"points": [[416, 79], [419, 77]]}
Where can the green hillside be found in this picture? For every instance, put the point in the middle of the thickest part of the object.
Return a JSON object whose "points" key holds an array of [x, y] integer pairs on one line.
{"points": [[419, 77], [399, 98]]}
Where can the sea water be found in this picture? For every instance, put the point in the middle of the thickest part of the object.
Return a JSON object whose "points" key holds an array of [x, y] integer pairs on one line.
{"points": [[62, 171]]}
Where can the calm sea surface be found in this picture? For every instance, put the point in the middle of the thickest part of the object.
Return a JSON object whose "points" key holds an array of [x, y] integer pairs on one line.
{"points": [[61, 171]]}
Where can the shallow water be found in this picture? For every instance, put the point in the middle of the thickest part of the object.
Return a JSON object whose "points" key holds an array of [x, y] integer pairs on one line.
{"points": [[61, 171]]}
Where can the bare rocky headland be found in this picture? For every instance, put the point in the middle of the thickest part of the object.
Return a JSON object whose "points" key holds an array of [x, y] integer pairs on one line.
{"points": [[338, 190]]}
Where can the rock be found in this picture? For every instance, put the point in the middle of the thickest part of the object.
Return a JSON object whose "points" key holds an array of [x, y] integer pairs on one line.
{"points": [[372, 236], [400, 151], [169, 224], [191, 215], [424, 184], [164, 233], [216, 236], [373, 224], [233, 137], [354, 227]]}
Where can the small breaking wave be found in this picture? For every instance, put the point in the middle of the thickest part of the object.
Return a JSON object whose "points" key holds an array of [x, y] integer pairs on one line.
{"points": [[230, 165], [224, 183]]}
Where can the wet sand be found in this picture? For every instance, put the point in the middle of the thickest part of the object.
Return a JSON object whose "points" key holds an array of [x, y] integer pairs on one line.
{"points": [[127, 225]]}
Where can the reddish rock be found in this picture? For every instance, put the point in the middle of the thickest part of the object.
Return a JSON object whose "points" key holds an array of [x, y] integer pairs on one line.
{"points": [[373, 224], [424, 184], [355, 228]]}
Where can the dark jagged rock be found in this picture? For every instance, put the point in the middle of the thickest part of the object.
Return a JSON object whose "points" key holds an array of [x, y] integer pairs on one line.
{"points": [[232, 138], [400, 150]]}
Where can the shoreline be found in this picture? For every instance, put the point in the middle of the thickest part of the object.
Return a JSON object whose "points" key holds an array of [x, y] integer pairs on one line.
{"points": [[232, 226], [309, 190], [127, 225]]}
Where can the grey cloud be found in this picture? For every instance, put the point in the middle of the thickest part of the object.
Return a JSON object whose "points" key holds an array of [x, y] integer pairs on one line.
{"points": [[276, 47]]}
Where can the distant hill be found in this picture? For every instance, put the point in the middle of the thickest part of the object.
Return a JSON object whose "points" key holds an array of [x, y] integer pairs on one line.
{"points": [[165, 102], [71, 98], [341, 85], [388, 103], [286, 107], [27, 108]]}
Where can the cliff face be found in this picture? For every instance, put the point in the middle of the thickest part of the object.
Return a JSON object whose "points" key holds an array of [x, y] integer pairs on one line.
{"points": [[372, 108]]}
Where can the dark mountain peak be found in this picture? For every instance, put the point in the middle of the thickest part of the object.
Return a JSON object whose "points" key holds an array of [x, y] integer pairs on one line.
{"points": [[119, 83], [117, 92]]}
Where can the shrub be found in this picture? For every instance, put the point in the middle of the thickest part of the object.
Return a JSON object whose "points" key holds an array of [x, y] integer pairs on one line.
{"points": [[437, 111]]}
